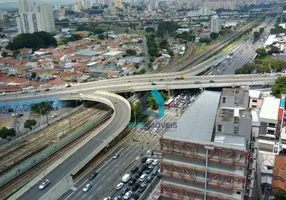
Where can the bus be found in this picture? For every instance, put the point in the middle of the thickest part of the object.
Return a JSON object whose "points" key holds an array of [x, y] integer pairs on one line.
{"points": [[168, 103]]}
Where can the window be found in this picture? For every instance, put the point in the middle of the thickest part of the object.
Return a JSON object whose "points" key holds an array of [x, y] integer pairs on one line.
{"points": [[254, 101], [235, 130], [219, 128], [253, 106], [271, 132], [237, 192], [223, 99]]}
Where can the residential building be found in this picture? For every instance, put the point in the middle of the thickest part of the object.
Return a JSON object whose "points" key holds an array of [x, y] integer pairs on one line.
{"points": [[225, 4], [23, 6], [200, 163], [279, 175], [255, 99], [235, 97], [215, 24], [36, 18], [1, 15]]}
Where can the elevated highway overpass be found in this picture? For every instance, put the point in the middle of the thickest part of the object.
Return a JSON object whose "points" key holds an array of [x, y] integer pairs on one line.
{"points": [[60, 173]]}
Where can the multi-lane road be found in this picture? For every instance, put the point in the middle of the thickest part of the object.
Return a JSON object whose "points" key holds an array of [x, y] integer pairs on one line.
{"points": [[110, 171], [72, 161]]}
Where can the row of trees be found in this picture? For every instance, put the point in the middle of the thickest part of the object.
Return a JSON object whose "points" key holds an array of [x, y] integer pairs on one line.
{"points": [[35, 41], [257, 34], [188, 36], [277, 29], [73, 37], [279, 87], [152, 45], [94, 29], [261, 52], [41, 108]]}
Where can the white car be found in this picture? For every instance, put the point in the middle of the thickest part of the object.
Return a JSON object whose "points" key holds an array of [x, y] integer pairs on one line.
{"points": [[53, 116], [119, 186], [149, 161], [143, 177], [107, 198], [127, 195], [2, 94], [73, 92], [87, 187], [155, 162], [44, 184], [154, 130]]}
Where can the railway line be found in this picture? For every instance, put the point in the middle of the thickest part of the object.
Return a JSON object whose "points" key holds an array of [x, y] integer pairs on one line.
{"points": [[187, 62], [27, 176], [21, 151]]}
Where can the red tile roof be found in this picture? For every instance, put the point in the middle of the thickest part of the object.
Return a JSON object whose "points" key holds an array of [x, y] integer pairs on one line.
{"points": [[279, 174]]}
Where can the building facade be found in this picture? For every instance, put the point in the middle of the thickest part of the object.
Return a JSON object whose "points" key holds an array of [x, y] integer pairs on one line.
{"points": [[37, 18], [215, 24]]}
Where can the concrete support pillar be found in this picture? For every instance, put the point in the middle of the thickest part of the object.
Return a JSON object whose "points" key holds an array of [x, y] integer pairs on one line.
{"points": [[170, 93]]}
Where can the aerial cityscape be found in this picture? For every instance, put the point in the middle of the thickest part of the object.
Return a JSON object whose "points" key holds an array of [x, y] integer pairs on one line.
{"points": [[142, 100]]}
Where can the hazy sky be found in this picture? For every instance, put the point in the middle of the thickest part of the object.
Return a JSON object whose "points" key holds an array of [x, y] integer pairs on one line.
{"points": [[46, 1]]}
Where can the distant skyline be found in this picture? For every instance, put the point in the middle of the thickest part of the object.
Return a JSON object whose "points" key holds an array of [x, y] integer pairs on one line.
{"points": [[42, 1]]}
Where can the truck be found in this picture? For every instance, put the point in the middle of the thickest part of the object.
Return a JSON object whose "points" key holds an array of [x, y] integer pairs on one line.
{"points": [[126, 178], [180, 78]]}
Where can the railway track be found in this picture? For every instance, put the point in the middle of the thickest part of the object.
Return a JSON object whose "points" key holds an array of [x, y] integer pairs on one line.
{"points": [[187, 61], [27, 176], [48, 137]]}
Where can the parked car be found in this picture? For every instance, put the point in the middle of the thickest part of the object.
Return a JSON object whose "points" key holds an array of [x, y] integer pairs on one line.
{"points": [[107, 198], [125, 190], [155, 162], [117, 198], [44, 184], [119, 186], [138, 174], [149, 178], [46, 90], [92, 175], [142, 187], [132, 181], [87, 187], [143, 177], [135, 187], [149, 161], [128, 195], [144, 167]]}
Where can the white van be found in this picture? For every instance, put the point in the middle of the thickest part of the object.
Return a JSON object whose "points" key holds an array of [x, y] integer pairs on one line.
{"points": [[126, 178]]}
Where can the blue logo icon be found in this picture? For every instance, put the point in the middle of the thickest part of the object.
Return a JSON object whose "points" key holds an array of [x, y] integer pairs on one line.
{"points": [[160, 101]]}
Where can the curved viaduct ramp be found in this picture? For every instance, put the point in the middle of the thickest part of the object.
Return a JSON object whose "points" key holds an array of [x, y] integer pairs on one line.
{"points": [[60, 175]]}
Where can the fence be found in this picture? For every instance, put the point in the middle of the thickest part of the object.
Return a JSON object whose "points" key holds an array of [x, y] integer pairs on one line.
{"points": [[32, 161]]}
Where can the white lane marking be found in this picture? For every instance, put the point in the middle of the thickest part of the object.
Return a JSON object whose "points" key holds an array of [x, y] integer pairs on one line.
{"points": [[90, 197], [99, 187], [78, 194], [82, 184], [106, 162], [83, 196]]}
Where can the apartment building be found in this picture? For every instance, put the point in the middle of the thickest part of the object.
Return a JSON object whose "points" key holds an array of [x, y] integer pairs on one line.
{"points": [[215, 24], [217, 4], [199, 162], [235, 97], [35, 18], [255, 99]]}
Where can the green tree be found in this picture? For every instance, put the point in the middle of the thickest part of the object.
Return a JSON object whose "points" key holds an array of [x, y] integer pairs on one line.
{"points": [[261, 52], [274, 49], [41, 108], [278, 65], [206, 40], [140, 117], [188, 36], [33, 75], [29, 123], [131, 52], [4, 54], [280, 196], [16, 53], [101, 36], [214, 35], [279, 87], [164, 44], [127, 30], [7, 133], [167, 27], [149, 29], [35, 41]]}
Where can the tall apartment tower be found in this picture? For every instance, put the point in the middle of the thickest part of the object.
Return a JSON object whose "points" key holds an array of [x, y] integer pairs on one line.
{"points": [[1, 15], [215, 24], [35, 18], [23, 6]]}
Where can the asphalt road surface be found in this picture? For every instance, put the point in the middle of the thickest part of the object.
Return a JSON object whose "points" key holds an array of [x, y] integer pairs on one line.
{"points": [[65, 167]]}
